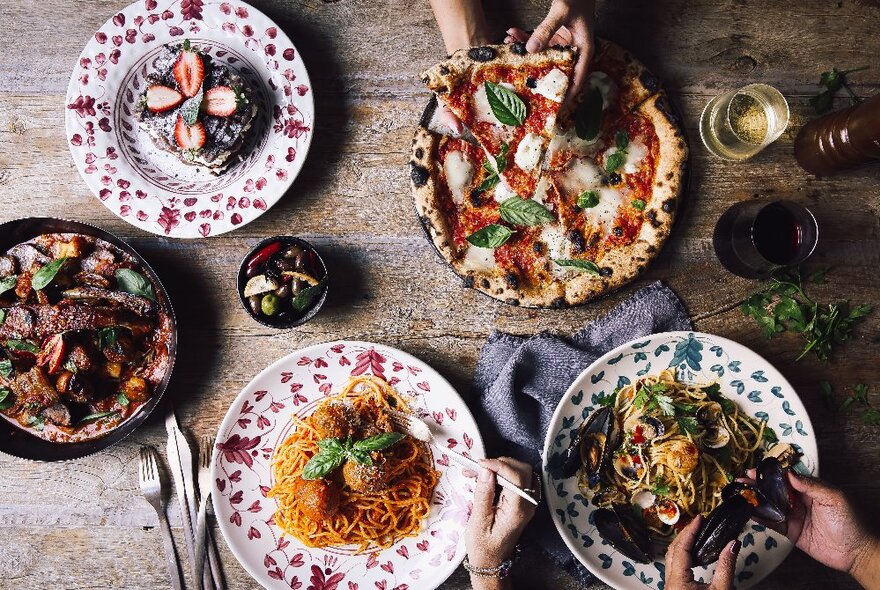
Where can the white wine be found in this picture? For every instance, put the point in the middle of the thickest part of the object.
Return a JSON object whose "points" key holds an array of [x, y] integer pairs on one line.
{"points": [[739, 124]]}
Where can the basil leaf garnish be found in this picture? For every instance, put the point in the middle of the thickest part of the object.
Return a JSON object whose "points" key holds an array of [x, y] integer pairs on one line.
{"points": [[7, 283], [622, 140], [323, 463], [519, 211], [491, 236], [501, 158], [378, 442], [584, 265], [22, 345], [107, 337], [507, 107], [588, 116], [5, 401], [362, 457], [615, 161], [331, 444], [5, 368], [305, 298], [45, 275], [588, 199], [133, 282], [638, 204]]}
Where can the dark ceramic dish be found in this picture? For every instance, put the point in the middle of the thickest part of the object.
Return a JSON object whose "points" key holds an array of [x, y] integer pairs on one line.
{"points": [[297, 320], [19, 442]]}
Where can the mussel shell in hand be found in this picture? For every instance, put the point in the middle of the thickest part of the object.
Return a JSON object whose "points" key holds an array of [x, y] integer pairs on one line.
{"points": [[765, 509], [619, 526], [723, 525], [772, 480]]}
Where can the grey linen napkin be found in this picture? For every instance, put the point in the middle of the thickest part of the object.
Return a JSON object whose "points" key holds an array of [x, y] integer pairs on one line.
{"points": [[521, 380]]}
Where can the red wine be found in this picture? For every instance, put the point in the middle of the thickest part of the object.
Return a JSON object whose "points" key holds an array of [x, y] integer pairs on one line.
{"points": [[777, 234]]}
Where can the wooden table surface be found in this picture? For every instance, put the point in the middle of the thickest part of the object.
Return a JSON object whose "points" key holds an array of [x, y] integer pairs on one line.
{"points": [[84, 524]]}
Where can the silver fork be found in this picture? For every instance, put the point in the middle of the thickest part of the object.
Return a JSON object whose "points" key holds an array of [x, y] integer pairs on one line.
{"points": [[419, 430], [204, 540], [151, 486]]}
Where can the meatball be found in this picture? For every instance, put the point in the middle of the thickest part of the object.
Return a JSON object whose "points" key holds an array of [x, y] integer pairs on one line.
{"points": [[317, 498], [335, 420], [374, 420], [367, 479]]}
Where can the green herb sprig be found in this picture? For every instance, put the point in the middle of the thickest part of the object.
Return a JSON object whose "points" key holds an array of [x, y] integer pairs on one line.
{"points": [[492, 179], [334, 452], [617, 159], [133, 282], [833, 81], [507, 107], [45, 275]]}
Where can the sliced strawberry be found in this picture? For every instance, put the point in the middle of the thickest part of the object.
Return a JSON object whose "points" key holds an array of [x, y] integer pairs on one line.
{"points": [[221, 101], [189, 71], [161, 98], [189, 137]]}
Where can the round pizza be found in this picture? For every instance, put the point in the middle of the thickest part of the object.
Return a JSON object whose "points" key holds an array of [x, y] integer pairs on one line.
{"points": [[538, 203]]}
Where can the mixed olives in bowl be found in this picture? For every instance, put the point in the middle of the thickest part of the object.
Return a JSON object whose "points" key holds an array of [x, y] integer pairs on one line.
{"points": [[282, 282]]}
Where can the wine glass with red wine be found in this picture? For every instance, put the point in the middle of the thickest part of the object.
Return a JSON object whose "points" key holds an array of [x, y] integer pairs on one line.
{"points": [[754, 238]]}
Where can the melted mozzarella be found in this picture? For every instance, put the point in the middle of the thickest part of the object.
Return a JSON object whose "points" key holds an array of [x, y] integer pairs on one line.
{"points": [[529, 151], [580, 175], [541, 191], [552, 85], [605, 212], [557, 245], [607, 87], [502, 193], [459, 172], [483, 110], [478, 258], [635, 153], [568, 141]]}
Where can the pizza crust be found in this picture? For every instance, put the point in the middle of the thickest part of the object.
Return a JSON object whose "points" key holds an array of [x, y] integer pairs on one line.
{"points": [[618, 266]]}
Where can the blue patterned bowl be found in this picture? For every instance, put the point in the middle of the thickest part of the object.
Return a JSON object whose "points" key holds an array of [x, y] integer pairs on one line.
{"points": [[751, 381]]}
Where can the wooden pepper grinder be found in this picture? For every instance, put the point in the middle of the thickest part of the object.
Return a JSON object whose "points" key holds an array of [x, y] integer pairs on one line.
{"points": [[840, 140]]}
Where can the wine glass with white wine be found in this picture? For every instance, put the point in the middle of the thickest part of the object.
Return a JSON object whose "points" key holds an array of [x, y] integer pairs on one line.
{"points": [[739, 124]]}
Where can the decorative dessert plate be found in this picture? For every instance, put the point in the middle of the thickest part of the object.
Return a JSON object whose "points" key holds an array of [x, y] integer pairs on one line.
{"points": [[151, 188], [259, 420], [748, 379]]}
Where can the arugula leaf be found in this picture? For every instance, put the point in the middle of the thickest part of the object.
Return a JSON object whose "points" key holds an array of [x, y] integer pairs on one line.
{"points": [[507, 107], [491, 236], [133, 282], [588, 199], [5, 401], [7, 283], [615, 161], [44, 276], [519, 211], [5, 368], [588, 116], [378, 442], [638, 204], [306, 298], [584, 265]]}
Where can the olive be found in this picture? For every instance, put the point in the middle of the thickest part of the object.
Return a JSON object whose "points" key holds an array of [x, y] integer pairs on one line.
{"points": [[270, 304], [253, 271], [283, 291], [284, 264], [301, 262], [254, 303], [292, 252], [297, 285]]}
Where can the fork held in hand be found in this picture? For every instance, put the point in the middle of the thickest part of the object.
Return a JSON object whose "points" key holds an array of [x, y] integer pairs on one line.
{"points": [[151, 486], [420, 431]]}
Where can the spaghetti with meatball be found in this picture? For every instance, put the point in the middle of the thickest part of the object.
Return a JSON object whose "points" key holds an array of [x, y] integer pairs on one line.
{"points": [[346, 477]]}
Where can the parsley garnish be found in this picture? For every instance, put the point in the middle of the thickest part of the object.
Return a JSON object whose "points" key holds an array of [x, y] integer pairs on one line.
{"points": [[661, 488], [833, 81]]}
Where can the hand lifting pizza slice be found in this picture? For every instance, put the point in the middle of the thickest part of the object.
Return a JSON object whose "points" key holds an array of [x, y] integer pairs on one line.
{"points": [[509, 100]]}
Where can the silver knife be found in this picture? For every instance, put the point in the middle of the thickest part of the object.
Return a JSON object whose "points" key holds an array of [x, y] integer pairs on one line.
{"points": [[181, 462]]}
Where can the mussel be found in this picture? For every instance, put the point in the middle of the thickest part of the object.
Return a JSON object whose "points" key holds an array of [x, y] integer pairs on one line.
{"points": [[619, 526], [764, 508], [596, 439], [721, 526], [773, 483]]}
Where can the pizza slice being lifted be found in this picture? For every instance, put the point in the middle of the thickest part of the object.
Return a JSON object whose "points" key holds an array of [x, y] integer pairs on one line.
{"points": [[509, 100]]}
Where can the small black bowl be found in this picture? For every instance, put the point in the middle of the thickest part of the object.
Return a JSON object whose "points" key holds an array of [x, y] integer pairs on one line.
{"points": [[21, 443], [243, 279]]}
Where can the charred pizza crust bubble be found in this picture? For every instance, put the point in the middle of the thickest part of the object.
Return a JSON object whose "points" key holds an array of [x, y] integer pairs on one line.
{"points": [[482, 54]]}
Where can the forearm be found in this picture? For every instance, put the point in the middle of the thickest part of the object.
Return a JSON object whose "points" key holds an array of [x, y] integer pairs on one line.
{"points": [[866, 567], [462, 23]]}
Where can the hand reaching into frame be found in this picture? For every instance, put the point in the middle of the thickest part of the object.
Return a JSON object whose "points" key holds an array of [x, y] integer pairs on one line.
{"points": [[679, 563]]}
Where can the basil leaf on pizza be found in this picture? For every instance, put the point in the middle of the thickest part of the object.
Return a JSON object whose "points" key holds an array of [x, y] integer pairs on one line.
{"points": [[584, 265], [491, 236], [588, 199], [614, 161], [507, 107], [638, 204], [501, 158], [588, 116], [622, 140], [519, 211]]}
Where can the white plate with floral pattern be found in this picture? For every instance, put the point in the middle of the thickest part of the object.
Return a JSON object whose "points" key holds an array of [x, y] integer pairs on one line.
{"points": [[744, 376], [259, 420], [152, 189]]}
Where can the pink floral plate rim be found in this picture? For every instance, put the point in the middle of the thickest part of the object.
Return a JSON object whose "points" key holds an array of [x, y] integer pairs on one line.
{"points": [[151, 189], [258, 420]]}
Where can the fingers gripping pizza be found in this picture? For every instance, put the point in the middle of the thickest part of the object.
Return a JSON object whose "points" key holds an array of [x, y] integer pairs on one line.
{"points": [[597, 204]]}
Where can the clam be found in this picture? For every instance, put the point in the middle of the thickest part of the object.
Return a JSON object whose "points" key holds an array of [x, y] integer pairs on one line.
{"points": [[596, 440], [710, 414], [644, 499], [716, 437], [668, 511], [619, 526], [784, 452], [628, 466]]}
